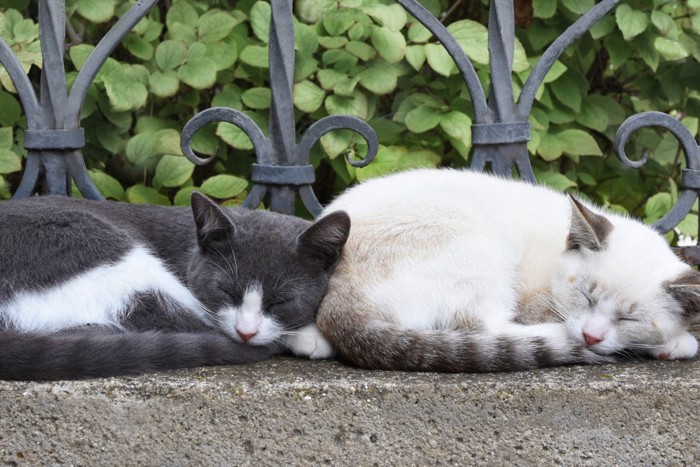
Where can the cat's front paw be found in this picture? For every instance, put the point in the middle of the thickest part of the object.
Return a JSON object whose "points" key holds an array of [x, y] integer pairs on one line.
{"points": [[683, 347], [309, 342]]}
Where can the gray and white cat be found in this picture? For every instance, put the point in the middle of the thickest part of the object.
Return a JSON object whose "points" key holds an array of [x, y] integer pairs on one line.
{"points": [[458, 271], [93, 289]]}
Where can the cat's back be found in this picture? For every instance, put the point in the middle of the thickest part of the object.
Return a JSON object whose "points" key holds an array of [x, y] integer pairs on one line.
{"points": [[454, 199]]}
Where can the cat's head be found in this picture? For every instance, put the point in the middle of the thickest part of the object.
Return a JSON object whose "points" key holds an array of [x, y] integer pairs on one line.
{"points": [[620, 288], [262, 275]]}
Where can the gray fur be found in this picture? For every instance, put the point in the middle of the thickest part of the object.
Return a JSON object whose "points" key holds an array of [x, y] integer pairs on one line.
{"points": [[48, 240]]}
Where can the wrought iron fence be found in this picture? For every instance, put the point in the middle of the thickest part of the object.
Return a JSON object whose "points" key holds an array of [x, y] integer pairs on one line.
{"points": [[500, 131]]}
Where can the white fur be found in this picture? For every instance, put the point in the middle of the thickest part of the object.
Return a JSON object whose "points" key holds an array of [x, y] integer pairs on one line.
{"points": [[248, 319], [448, 246], [99, 296], [309, 342]]}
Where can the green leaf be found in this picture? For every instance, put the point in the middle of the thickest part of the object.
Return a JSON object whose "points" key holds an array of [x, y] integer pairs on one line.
{"points": [[170, 54], [356, 105], [336, 142], [257, 98], [224, 186], [630, 21], [396, 158], [5, 138], [337, 22], [10, 111], [379, 78], [689, 225], [593, 116], [457, 125], [550, 148], [260, 16], [198, 72], [308, 97], [164, 84], [603, 27], [9, 162], [233, 136], [544, 8], [439, 60], [329, 78], [222, 55], [670, 49], [418, 34], [124, 92], [97, 11], [138, 47], [360, 50], [180, 12], [422, 118], [391, 45], [255, 55], [172, 171], [567, 93], [578, 6], [142, 194], [107, 185], [332, 42], [215, 25], [662, 21], [657, 207], [141, 148], [392, 16], [473, 38], [578, 143], [556, 181], [415, 56], [182, 197], [168, 142], [79, 54], [555, 72]]}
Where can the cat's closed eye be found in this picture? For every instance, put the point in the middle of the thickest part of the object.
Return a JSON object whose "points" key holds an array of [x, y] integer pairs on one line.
{"points": [[629, 319]]}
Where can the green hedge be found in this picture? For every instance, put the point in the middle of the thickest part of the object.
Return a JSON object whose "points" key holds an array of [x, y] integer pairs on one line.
{"points": [[367, 58]]}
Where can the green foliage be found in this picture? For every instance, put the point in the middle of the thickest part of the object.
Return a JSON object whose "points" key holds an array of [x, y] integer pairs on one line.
{"points": [[371, 59]]}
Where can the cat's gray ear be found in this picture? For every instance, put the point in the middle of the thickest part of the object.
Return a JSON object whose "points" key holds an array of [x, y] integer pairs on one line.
{"points": [[324, 240], [686, 290], [588, 229], [212, 223]]}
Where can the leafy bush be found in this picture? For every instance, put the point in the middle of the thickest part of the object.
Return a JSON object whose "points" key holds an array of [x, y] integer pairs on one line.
{"points": [[370, 59]]}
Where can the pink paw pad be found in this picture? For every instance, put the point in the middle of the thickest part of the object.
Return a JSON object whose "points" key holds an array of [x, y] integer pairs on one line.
{"points": [[664, 355]]}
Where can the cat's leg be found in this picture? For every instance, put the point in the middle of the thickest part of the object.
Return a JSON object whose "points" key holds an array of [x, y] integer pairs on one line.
{"points": [[680, 348], [309, 342]]}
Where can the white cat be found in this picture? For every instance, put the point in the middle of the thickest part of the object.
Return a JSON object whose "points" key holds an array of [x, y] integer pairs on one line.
{"points": [[448, 270]]}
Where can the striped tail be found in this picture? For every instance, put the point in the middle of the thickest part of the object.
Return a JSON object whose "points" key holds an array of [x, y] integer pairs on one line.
{"points": [[381, 345], [93, 353]]}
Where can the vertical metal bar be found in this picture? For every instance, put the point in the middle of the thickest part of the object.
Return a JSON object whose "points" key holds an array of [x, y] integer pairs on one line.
{"points": [[282, 128]]}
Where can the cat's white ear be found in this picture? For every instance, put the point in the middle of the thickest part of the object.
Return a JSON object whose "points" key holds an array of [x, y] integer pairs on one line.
{"points": [[588, 229], [324, 240], [686, 290], [212, 223]]}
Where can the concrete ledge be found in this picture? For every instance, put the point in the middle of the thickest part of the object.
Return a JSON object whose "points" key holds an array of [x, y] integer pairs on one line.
{"points": [[310, 413]]}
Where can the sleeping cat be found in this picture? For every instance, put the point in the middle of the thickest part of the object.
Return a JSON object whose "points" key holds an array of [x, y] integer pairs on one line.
{"points": [[92, 288], [458, 271]]}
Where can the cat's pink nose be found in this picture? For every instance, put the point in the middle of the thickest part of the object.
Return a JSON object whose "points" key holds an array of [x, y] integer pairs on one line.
{"points": [[246, 336], [590, 340]]}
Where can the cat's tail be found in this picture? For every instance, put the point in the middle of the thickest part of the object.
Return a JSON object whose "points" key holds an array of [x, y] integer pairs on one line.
{"points": [[379, 344], [92, 353]]}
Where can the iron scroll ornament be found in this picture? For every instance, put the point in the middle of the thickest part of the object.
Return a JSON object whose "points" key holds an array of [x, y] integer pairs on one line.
{"points": [[54, 137], [282, 166], [690, 178], [268, 175]]}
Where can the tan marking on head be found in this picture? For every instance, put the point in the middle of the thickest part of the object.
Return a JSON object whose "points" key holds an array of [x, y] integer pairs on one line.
{"points": [[571, 279]]}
